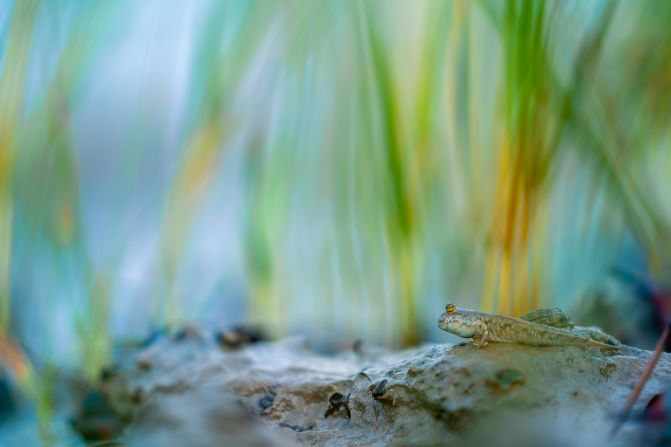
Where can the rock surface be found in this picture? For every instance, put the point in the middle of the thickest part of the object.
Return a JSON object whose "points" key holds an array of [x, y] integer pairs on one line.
{"points": [[191, 392]]}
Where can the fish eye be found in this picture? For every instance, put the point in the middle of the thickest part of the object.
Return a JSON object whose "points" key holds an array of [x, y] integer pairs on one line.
{"points": [[450, 308]]}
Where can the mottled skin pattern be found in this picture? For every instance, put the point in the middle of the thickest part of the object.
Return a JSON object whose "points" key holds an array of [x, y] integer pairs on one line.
{"points": [[483, 328], [549, 317]]}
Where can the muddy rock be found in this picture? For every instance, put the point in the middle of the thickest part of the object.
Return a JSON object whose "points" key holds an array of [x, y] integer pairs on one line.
{"points": [[284, 393]]}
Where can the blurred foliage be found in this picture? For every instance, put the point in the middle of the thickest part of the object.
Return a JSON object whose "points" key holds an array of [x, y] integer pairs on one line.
{"points": [[339, 168], [15, 64]]}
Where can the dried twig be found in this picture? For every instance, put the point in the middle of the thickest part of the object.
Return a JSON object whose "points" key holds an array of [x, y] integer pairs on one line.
{"points": [[659, 348]]}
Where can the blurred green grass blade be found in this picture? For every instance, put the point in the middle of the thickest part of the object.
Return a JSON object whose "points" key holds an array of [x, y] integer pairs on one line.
{"points": [[12, 85]]}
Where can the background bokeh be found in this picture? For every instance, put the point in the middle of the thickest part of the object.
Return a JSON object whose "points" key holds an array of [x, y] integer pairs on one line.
{"points": [[339, 169]]}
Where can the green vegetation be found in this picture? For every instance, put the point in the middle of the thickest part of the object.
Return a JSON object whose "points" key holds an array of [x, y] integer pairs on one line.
{"points": [[356, 163]]}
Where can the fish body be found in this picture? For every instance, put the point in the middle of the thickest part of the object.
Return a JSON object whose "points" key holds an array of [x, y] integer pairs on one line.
{"points": [[483, 328]]}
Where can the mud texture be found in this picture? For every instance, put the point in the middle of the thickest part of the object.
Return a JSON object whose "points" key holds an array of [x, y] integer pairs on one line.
{"points": [[189, 390]]}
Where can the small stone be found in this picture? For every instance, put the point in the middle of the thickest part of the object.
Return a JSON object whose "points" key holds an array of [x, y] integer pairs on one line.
{"points": [[96, 418], [266, 402], [336, 402], [239, 336], [380, 389]]}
